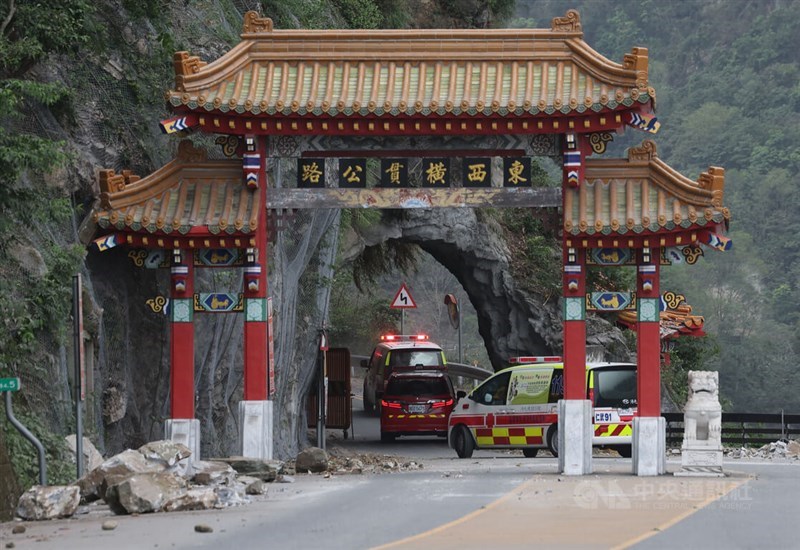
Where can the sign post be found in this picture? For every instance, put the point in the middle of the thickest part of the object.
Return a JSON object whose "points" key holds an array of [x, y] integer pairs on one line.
{"points": [[454, 312], [8, 385], [403, 301], [80, 371]]}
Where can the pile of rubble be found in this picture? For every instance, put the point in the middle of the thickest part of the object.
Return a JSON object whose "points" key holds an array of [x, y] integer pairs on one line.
{"points": [[342, 461], [158, 477], [777, 449]]}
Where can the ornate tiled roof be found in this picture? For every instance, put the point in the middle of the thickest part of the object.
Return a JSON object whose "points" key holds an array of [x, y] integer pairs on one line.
{"points": [[642, 195], [411, 72], [673, 322], [188, 193]]}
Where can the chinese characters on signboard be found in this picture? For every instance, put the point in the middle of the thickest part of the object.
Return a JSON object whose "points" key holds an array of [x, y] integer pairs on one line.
{"points": [[352, 173], [516, 172], [394, 173], [435, 172], [476, 172], [310, 172]]}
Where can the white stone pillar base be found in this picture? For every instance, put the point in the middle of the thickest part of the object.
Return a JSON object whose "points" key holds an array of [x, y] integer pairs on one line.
{"points": [[255, 429], [575, 432], [185, 431], [649, 446], [701, 459]]}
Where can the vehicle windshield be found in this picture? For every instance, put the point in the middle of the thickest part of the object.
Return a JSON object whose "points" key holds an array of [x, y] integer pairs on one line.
{"points": [[414, 357], [615, 387], [420, 387]]}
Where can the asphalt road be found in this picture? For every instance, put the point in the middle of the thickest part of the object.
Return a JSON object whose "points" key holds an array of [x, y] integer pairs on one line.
{"points": [[493, 500], [759, 514]]}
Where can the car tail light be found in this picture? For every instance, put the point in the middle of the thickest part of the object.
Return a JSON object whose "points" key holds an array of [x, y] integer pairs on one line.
{"points": [[390, 404], [591, 395], [440, 404]]}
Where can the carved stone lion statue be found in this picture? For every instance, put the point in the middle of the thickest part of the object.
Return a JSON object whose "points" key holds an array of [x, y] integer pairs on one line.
{"points": [[703, 413]]}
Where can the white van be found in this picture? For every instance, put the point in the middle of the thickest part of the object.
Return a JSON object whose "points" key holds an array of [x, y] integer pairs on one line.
{"points": [[517, 408]]}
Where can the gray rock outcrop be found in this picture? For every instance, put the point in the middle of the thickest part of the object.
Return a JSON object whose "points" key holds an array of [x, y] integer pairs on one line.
{"points": [[511, 320]]}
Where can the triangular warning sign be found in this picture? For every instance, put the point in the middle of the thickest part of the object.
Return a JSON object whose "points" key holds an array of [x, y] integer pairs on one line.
{"points": [[403, 299]]}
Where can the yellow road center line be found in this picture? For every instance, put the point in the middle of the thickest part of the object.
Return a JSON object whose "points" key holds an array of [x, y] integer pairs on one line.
{"points": [[680, 517], [458, 521]]}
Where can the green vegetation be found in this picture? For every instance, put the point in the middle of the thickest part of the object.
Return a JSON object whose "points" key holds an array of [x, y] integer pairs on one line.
{"points": [[25, 458], [36, 305], [726, 75]]}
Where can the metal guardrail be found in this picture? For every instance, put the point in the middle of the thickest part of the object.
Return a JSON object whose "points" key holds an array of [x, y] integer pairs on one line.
{"points": [[457, 369], [742, 428]]}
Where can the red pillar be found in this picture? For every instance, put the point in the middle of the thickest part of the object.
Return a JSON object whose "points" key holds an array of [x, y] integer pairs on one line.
{"points": [[182, 336], [255, 323], [574, 290], [574, 281], [648, 347]]}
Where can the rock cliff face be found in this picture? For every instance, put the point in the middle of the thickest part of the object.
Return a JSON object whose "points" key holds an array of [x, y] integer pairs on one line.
{"points": [[511, 321]]}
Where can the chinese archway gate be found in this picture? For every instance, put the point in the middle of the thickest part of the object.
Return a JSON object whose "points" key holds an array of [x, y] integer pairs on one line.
{"points": [[312, 109]]}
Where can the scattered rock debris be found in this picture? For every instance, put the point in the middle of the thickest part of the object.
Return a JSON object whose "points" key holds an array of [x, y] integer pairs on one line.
{"points": [[203, 528], [109, 525], [776, 449], [161, 477]]}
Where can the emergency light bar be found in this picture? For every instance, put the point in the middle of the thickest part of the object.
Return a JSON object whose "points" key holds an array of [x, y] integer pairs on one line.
{"points": [[528, 359], [403, 337]]}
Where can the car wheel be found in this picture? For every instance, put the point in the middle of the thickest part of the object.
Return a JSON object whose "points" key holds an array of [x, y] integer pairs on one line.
{"points": [[462, 442], [625, 451], [552, 440], [369, 406], [387, 437], [529, 452]]}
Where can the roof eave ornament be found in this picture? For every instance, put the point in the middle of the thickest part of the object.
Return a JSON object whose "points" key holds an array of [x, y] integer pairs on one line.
{"points": [[110, 182], [254, 23], [713, 180], [645, 152], [638, 61], [571, 22], [185, 65]]}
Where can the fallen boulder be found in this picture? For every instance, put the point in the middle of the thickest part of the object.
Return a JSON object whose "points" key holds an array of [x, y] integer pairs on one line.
{"points": [[165, 451], [114, 470], [145, 492], [212, 472], [204, 498], [266, 470], [49, 502], [91, 456], [312, 459]]}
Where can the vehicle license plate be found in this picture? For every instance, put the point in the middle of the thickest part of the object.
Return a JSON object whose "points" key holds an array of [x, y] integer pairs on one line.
{"points": [[417, 408], [605, 417]]}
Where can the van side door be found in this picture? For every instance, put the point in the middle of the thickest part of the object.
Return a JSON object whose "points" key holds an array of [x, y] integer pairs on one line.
{"points": [[527, 415], [488, 400]]}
